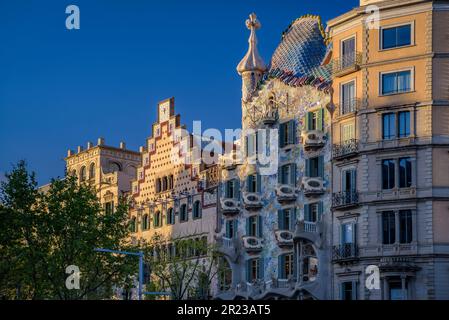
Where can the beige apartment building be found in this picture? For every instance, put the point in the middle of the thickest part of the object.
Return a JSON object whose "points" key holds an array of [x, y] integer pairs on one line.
{"points": [[390, 135], [109, 169]]}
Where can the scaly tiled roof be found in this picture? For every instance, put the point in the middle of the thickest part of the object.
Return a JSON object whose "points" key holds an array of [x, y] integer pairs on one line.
{"points": [[298, 59]]}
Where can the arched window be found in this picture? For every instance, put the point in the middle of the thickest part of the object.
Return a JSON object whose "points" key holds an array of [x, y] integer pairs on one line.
{"points": [[114, 166], [197, 209], [170, 216], [73, 173], [164, 184], [183, 215], [145, 224], [83, 173], [157, 219], [158, 185], [92, 171], [133, 225]]}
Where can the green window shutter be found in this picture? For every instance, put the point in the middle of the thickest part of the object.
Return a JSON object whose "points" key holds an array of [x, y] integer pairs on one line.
{"points": [[282, 135], [293, 174], [259, 183], [306, 121], [291, 132], [248, 221], [354, 290], [236, 189], [321, 166], [293, 219], [306, 212], [236, 227], [307, 168], [261, 268], [248, 270], [248, 183], [260, 226], [228, 229], [281, 262], [280, 219], [310, 120], [320, 122], [320, 210]]}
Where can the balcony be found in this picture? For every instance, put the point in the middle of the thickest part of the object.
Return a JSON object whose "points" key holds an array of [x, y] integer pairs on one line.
{"points": [[284, 238], [270, 117], [252, 244], [252, 201], [230, 207], [228, 247], [348, 106], [308, 230], [345, 199], [313, 186], [346, 149], [286, 193], [313, 139], [345, 252], [346, 64]]}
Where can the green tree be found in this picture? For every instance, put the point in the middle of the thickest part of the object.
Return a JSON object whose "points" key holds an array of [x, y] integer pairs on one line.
{"points": [[44, 233]]}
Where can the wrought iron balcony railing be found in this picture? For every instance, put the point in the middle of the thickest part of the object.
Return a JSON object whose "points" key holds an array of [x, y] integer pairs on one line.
{"points": [[347, 64], [348, 106], [345, 149], [345, 252], [345, 199]]}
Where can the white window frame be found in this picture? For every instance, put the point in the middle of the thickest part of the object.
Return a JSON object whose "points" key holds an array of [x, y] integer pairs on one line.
{"points": [[395, 25], [341, 92], [412, 81], [354, 35]]}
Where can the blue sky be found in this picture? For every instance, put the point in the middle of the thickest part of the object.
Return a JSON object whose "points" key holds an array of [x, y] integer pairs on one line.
{"points": [[60, 88]]}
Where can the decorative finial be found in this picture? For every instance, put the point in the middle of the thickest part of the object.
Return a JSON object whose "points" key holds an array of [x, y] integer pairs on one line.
{"points": [[252, 22]]}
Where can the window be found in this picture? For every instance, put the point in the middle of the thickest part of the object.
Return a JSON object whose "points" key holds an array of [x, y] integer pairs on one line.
{"points": [[145, 222], [396, 82], [388, 174], [315, 167], [388, 126], [287, 174], [170, 182], [388, 227], [231, 229], [197, 209], [348, 53], [254, 270], [347, 132], [405, 226], [348, 290], [133, 225], [251, 144], [405, 173], [348, 102], [253, 183], [313, 211], [285, 266], [170, 216], [395, 290], [349, 180], [224, 274], [183, 214], [83, 174], [164, 184], [157, 219], [347, 233], [396, 37], [158, 185], [404, 124], [232, 189], [287, 219], [287, 133], [314, 120], [254, 226], [109, 207], [92, 171]]}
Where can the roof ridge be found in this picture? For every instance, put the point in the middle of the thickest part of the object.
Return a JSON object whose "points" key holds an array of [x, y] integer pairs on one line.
{"points": [[326, 39]]}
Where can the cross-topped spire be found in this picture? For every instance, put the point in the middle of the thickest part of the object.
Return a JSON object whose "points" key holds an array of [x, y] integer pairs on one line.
{"points": [[252, 61]]}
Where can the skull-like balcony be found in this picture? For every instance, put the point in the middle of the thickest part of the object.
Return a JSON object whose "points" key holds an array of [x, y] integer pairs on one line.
{"points": [[270, 117], [313, 139], [252, 244], [286, 193], [228, 247], [284, 238], [313, 186], [308, 230], [230, 207], [252, 201]]}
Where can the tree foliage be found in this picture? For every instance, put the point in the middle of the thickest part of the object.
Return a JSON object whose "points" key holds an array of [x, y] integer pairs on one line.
{"points": [[41, 233]]}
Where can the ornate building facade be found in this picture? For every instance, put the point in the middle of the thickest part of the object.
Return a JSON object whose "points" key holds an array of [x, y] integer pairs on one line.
{"points": [[390, 149], [275, 211]]}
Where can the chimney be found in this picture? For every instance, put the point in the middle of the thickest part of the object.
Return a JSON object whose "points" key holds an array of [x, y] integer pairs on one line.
{"points": [[89, 145], [141, 149], [122, 145], [69, 153], [100, 141], [80, 149]]}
